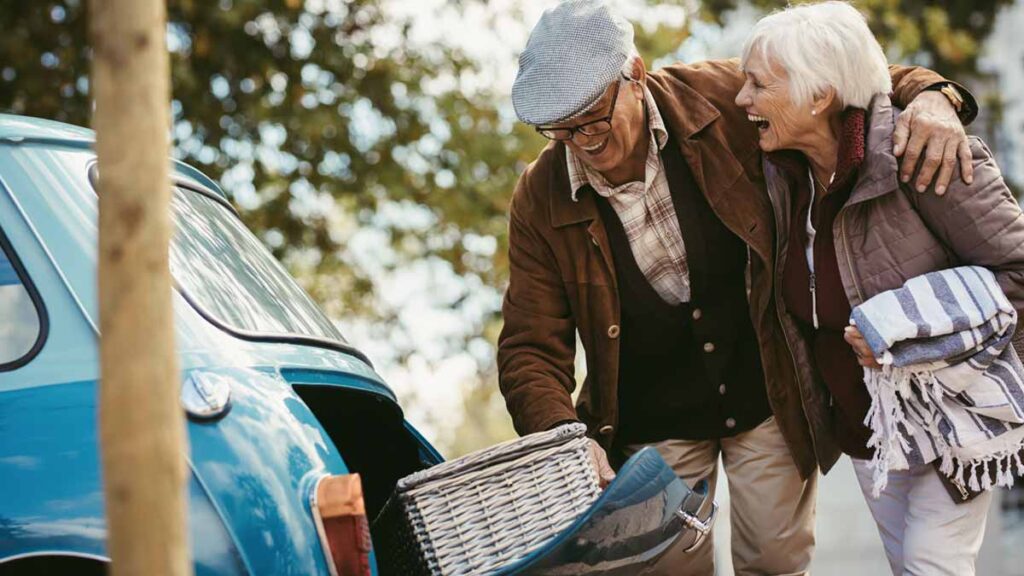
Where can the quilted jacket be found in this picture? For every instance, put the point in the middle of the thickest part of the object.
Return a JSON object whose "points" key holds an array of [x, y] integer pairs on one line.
{"points": [[887, 233]]}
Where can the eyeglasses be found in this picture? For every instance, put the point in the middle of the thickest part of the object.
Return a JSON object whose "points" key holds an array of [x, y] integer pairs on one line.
{"points": [[592, 128]]}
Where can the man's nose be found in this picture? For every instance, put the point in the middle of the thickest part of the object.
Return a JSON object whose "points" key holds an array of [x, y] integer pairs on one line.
{"points": [[583, 140]]}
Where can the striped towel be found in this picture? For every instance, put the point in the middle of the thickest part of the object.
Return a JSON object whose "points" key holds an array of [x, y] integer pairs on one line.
{"points": [[951, 387]]}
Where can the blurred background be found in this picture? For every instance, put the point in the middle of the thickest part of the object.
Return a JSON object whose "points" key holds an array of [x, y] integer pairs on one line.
{"points": [[372, 146]]}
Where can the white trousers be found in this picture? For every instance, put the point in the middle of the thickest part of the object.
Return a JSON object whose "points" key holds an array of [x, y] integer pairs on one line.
{"points": [[924, 531]]}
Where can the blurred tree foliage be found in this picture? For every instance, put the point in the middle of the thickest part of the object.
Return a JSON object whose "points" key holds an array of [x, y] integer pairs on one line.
{"points": [[321, 120], [318, 108], [945, 36]]}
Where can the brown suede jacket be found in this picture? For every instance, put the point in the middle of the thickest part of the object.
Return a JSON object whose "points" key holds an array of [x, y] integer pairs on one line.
{"points": [[562, 276]]}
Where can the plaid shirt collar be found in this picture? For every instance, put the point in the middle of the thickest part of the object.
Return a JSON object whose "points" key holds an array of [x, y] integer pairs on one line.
{"points": [[580, 174]]}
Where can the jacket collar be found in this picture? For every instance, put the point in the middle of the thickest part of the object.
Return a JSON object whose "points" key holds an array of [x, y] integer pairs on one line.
{"points": [[879, 174], [685, 113], [852, 149], [566, 211]]}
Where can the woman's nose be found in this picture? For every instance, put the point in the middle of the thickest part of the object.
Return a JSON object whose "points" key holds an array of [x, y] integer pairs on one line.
{"points": [[742, 100]]}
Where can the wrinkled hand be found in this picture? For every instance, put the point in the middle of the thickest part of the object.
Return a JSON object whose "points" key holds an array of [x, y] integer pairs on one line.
{"points": [[930, 124], [865, 356], [599, 459]]}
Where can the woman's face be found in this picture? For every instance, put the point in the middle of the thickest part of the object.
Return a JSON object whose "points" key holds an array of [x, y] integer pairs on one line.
{"points": [[766, 98]]}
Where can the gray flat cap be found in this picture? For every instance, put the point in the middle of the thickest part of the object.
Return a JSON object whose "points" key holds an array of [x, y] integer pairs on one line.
{"points": [[574, 53]]}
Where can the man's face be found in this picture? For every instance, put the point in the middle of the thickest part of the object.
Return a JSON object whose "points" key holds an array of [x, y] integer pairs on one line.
{"points": [[604, 152]]}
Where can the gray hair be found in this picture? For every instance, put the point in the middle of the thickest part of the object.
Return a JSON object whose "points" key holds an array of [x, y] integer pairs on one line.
{"points": [[627, 66], [823, 45]]}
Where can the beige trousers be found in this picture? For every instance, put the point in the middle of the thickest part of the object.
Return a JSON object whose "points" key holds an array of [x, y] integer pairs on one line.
{"points": [[771, 508]]}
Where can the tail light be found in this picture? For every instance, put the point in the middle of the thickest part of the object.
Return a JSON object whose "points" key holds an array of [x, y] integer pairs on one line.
{"points": [[340, 516]]}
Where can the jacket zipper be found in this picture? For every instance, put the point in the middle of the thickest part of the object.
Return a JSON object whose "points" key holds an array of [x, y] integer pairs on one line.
{"points": [[814, 302], [777, 281], [813, 236]]}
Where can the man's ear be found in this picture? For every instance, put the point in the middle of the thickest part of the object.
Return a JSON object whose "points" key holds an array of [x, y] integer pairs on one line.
{"points": [[639, 74]]}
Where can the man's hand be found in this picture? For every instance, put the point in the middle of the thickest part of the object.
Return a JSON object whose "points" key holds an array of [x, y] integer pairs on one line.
{"points": [[599, 459], [930, 124], [865, 356]]}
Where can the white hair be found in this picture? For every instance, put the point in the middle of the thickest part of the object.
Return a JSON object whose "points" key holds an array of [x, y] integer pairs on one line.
{"points": [[822, 45], [627, 66]]}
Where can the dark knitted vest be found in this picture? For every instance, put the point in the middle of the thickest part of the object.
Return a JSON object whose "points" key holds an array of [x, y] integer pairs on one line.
{"points": [[691, 371]]}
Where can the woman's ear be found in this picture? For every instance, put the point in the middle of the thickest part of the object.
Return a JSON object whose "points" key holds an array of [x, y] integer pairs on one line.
{"points": [[825, 101]]}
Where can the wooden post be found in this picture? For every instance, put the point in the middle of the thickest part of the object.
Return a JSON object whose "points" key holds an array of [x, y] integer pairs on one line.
{"points": [[141, 420]]}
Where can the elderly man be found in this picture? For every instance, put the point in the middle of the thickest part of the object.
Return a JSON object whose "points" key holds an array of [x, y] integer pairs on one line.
{"points": [[645, 226]]}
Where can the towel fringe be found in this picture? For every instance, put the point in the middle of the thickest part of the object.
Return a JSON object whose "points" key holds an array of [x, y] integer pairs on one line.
{"points": [[973, 483], [978, 474], [889, 388]]}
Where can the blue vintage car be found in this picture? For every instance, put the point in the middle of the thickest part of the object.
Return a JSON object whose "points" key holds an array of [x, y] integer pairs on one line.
{"points": [[276, 397]]}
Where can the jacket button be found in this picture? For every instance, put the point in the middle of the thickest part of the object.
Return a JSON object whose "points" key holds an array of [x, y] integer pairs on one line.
{"points": [[730, 422], [709, 347], [593, 240], [721, 389], [606, 429], [613, 331], [696, 314]]}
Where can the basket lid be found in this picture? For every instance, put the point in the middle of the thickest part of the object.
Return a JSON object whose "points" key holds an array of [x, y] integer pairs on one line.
{"points": [[494, 455]]}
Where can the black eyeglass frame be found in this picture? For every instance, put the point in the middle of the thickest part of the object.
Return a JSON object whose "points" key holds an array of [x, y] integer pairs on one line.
{"points": [[566, 134]]}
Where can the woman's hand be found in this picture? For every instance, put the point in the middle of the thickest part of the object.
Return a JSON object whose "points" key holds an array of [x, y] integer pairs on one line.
{"points": [[860, 347]]}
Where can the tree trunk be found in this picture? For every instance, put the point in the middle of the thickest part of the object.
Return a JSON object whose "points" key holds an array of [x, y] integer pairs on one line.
{"points": [[141, 421]]}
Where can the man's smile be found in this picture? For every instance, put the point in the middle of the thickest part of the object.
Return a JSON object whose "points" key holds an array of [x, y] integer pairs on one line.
{"points": [[596, 148]]}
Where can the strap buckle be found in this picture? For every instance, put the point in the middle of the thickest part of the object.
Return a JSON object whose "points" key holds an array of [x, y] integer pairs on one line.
{"points": [[701, 527]]}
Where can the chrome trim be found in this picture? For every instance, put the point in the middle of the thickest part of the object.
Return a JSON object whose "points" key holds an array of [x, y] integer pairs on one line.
{"points": [[701, 527], [51, 553], [206, 395], [325, 544]]}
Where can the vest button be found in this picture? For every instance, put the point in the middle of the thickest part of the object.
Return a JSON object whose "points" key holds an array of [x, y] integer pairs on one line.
{"points": [[606, 429], [696, 314], [613, 331], [730, 422], [721, 389], [709, 347]]}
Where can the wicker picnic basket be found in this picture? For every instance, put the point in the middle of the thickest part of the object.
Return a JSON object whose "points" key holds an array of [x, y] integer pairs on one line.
{"points": [[486, 510]]}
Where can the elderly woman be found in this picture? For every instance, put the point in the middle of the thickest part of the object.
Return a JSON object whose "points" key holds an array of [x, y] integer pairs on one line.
{"points": [[849, 228]]}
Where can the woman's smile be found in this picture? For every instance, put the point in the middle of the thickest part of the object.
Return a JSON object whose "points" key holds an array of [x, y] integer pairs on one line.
{"points": [[761, 121]]}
